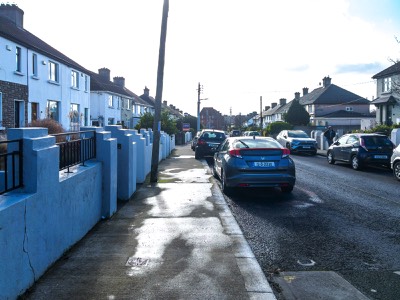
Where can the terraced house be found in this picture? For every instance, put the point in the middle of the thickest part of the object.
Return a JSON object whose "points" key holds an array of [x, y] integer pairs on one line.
{"points": [[36, 80]]}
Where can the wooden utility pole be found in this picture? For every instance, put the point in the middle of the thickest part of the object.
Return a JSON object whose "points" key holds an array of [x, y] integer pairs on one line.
{"points": [[160, 81]]}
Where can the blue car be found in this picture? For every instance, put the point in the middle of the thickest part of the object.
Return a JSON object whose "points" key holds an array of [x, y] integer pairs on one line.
{"points": [[254, 162]]}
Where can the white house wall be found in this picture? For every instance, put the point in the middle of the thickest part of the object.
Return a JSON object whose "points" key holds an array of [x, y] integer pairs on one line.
{"points": [[8, 62], [39, 88]]}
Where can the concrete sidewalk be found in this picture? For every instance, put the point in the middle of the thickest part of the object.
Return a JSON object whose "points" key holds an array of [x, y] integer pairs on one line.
{"points": [[176, 239]]}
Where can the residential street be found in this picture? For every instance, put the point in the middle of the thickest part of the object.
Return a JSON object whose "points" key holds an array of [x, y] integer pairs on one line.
{"points": [[336, 219]]}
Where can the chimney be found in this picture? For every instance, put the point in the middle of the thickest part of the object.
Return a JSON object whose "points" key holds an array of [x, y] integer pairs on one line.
{"points": [[326, 81], [297, 96], [266, 107], [120, 81], [273, 104], [165, 103], [146, 91], [104, 73], [13, 13], [305, 91], [282, 101]]}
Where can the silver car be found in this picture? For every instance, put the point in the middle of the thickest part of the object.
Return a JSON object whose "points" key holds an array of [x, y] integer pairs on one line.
{"points": [[395, 162], [248, 162]]}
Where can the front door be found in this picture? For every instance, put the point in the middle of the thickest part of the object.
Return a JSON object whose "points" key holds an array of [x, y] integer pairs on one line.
{"points": [[19, 114]]}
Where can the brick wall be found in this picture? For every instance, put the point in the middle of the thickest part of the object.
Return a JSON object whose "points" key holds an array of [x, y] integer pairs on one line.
{"points": [[11, 92]]}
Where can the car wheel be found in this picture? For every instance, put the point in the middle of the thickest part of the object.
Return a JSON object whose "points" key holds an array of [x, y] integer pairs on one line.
{"points": [[330, 158], [355, 163], [197, 154], [225, 189], [287, 189], [396, 170]]}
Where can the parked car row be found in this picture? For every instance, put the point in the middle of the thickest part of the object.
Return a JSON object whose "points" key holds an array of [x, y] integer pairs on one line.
{"points": [[255, 161]]}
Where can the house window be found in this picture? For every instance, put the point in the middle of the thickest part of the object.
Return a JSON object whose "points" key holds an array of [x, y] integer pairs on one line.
{"points": [[34, 111], [310, 109], [110, 121], [53, 71], [349, 108], [52, 110], [34, 65], [75, 79], [86, 83], [74, 113], [387, 84], [110, 101], [18, 59]]}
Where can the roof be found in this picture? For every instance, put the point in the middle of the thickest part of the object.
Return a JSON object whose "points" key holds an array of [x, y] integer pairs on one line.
{"points": [[148, 100], [392, 70], [99, 83], [332, 94], [347, 114], [22, 37], [272, 111], [385, 99]]}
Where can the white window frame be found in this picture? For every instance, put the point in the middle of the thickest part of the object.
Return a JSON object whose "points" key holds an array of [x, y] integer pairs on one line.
{"points": [[18, 59], [387, 84], [34, 65], [110, 101], [86, 83], [75, 79], [54, 71]]}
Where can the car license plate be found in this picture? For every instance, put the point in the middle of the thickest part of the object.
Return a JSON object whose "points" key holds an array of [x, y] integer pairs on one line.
{"points": [[380, 156], [306, 147], [264, 164]]}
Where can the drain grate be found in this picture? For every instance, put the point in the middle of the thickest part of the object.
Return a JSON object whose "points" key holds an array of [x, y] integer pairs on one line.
{"points": [[137, 262]]}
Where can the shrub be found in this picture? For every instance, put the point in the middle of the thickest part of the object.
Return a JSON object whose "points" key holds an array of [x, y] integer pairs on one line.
{"points": [[52, 125]]}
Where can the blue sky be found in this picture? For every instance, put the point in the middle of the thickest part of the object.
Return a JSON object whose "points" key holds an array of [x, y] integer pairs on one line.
{"points": [[238, 50]]}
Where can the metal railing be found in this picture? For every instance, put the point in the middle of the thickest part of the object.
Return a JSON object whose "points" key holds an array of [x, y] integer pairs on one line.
{"points": [[75, 148], [10, 165]]}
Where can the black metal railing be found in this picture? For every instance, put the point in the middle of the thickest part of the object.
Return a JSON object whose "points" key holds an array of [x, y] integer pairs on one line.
{"points": [[75, 148], [10, 165]]}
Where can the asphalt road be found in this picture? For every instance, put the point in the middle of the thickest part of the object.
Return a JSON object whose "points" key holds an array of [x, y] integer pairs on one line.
{"points": [[336, 219]]}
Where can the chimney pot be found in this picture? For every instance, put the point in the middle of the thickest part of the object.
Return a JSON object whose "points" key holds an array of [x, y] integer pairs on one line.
{"points": [[104, 73], [120, 81], [13, 13], [305, 91], [273, 104], [282, 101]]}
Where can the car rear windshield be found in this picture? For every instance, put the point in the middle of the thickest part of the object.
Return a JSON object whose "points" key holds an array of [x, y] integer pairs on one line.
{"points": [[213, 136], [254, 143], [379, 141]]}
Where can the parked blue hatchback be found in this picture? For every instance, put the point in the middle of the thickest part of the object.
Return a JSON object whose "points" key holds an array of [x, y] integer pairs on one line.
{"points": [[251, 162]]}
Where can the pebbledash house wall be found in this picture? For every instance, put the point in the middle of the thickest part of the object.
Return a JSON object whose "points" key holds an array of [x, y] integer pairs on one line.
{"points": [[54, 209]]}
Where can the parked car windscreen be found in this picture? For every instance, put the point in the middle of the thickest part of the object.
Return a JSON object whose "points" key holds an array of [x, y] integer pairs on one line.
{"points": [[297, 134]]}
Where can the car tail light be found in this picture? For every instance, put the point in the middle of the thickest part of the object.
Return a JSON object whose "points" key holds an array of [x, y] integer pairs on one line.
{"points": [[201, 142], [235, 153], [285, 152]]}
